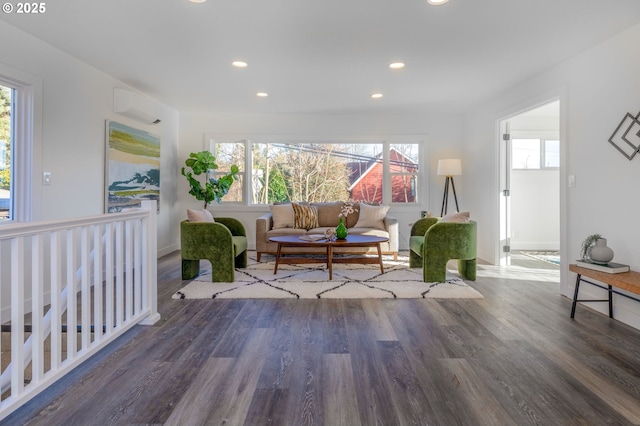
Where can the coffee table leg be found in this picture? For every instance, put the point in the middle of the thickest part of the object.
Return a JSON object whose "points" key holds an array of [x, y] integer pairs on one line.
{"points": [[275, 269], [380, 258], [330, 261]]}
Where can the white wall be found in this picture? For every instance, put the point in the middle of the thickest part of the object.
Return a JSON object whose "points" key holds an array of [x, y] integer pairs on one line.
{"points": [[76, 100], [596, 89], [442, 135]]}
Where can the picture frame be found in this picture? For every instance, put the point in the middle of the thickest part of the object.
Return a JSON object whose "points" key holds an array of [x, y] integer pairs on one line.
{"points": [[132, 170]]}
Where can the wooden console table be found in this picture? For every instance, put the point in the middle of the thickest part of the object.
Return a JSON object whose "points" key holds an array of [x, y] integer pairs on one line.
{"points": [[629, 281]]}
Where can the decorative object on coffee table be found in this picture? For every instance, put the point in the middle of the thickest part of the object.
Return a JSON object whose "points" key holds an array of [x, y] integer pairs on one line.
{"points": [[330, 234], [341, 229]]}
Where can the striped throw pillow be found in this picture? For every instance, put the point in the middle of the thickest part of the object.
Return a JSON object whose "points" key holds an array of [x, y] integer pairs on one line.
{"points": [[304, 217]]}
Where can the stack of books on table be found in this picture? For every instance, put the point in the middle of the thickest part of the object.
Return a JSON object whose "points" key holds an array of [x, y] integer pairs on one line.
{"points": [[610, 268]]}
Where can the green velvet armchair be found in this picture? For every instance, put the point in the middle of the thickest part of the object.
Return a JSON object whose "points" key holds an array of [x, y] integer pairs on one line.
{"points": [[433, 243], [223, 243]]}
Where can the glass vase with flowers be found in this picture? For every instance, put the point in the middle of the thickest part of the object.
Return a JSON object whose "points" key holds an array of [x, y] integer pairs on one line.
{"points": [[341, 230]]}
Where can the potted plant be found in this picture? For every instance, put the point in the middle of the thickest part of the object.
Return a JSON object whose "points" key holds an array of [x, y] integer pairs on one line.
{"points": [[213, 189], [588, 242]]}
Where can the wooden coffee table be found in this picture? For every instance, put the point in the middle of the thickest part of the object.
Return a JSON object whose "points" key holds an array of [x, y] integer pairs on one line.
{"points": [[350, 241]]}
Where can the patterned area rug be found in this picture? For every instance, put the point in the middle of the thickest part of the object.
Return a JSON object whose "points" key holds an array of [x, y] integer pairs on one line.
{"points": [[546, 256], [356, 281]]}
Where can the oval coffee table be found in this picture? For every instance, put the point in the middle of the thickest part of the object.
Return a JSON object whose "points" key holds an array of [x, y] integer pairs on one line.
{"points": [[350, 241]]}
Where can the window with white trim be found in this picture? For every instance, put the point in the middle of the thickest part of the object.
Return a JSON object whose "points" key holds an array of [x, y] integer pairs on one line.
{"points": [[6, 143], [316, 171]]}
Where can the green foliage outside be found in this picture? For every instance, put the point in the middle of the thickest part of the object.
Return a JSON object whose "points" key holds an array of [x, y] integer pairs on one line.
{"points": [[306, 172], [277, 187], [213, 189], [5, 136]]}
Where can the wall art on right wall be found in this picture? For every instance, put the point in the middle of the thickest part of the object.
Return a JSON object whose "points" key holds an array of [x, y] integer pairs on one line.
{"points": [[626, 137]]}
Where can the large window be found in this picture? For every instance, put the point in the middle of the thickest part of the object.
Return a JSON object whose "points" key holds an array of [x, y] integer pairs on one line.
{"points": [[320, 171], [6, 130]]}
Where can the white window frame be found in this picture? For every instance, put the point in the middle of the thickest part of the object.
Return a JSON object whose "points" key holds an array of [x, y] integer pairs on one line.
{"points": [[26, 148], [422, 183]]}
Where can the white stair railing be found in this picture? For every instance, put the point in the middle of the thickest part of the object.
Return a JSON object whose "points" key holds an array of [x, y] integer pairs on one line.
{"points": [[85, 281]]}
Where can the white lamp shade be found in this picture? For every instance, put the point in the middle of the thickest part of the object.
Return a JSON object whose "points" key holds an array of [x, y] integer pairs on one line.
{"points": [[449, 167]]}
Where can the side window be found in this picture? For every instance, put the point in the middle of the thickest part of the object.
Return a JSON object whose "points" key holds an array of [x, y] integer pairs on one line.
{"points": [[6, 140]]}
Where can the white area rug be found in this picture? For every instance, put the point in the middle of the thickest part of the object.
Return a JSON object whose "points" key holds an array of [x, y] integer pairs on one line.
{"points": [[356, 281]]}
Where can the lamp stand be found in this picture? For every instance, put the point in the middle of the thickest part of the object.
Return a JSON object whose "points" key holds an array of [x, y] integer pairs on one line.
{"points": [[445, 197]]}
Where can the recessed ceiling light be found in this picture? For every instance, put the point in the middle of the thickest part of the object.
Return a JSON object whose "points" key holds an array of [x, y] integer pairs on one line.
{"points": [[197, 1], [262, 94], [437, 2], [239, 64], [396, 65], [376, 95]]}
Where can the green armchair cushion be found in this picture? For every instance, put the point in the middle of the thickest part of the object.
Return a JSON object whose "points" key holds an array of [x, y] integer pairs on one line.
{"points": [[223, 243], [433, 243]]}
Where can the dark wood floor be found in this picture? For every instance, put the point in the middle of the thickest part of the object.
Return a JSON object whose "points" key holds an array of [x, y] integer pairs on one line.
{"points": [[512, 358]]}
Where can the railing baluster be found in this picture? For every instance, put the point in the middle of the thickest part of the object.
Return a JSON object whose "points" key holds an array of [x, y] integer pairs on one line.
{"points": [[85, 289], [17, 316], [108, 278], [97, 284], [56, 323], [71, 297], [37, 307], [137, 268], [129, 271], [119, 275]]}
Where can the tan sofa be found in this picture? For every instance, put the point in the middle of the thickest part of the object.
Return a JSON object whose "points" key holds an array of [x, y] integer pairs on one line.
{"points": [[328, 217]]}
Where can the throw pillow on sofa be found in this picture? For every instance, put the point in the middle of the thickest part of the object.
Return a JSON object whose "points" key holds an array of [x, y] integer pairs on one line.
{"points": [[282, 215], [304, 216], [328, 213], [372, 216]]}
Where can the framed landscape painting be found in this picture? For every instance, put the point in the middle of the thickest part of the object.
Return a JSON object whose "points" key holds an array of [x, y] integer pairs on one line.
{"points": [[133, 167]]}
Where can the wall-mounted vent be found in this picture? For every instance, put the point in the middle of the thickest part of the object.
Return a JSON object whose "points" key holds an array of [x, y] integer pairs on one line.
{"points": [[134, 106]]}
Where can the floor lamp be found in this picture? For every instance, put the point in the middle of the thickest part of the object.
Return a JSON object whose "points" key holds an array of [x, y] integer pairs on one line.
{"points": [[449, 168]]}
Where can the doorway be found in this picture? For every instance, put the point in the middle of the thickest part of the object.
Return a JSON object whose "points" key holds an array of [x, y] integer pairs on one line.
{"points": [[530, 186]]}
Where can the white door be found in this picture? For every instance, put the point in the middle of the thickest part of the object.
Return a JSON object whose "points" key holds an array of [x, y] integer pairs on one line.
{"points": [[529, 182], [505, 194]]}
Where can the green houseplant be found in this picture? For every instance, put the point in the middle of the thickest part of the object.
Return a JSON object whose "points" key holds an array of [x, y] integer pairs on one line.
{"points": [[213, 189]]}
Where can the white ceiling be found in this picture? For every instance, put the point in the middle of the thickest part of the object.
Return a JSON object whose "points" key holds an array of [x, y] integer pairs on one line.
{"points": [[326, 56]]}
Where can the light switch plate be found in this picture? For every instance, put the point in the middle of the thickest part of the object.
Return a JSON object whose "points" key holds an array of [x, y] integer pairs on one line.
{"points": [[46, 178]]}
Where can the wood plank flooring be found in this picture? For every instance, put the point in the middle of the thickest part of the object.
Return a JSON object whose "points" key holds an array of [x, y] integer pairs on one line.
{"points": [[512, 358]]}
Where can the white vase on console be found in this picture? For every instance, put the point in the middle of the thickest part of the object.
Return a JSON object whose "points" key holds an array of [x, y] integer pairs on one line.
{"points": [[600, 252]]}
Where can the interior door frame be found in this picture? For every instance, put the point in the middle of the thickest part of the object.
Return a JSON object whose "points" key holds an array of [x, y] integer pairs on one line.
{"points": [[561, 96]]}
